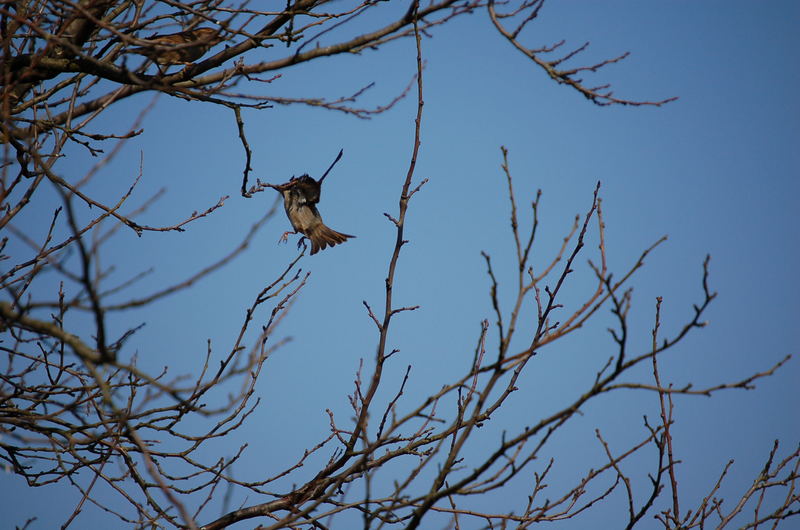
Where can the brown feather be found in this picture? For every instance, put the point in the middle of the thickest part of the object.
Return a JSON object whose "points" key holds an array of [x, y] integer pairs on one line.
{"points": [[300, 196], [184, 47], [321, 237]]}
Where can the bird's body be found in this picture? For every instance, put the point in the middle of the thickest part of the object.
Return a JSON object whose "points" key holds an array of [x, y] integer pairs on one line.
{"points": [[300, 196], [184, 47]]}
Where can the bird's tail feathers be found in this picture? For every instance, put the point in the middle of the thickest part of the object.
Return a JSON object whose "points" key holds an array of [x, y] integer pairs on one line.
{"points": [[322, 237]]}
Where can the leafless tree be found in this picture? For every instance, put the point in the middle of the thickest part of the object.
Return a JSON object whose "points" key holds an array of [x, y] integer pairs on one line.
{"points": [[74, 401]]}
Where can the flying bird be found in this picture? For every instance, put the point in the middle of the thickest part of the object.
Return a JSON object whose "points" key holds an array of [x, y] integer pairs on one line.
{"points": [[184, 47], [300, 197]]}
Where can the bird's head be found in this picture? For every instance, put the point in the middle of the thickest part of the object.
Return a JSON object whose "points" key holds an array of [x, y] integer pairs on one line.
{"points": [[209, 35]]}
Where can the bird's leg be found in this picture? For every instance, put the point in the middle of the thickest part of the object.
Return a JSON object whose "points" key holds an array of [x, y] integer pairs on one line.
{"points": [[302, 241], [285, 237]]}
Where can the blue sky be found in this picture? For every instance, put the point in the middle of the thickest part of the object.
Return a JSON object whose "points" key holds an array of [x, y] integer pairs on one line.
{"points": [[718, 171]]}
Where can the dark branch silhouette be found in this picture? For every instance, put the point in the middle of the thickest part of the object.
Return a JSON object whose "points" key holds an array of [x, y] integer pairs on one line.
{"points": [[139, 444]]}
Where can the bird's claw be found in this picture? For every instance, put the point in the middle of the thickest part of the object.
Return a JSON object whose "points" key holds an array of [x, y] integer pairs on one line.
{"points": [[285, 237], [300, 242]]}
